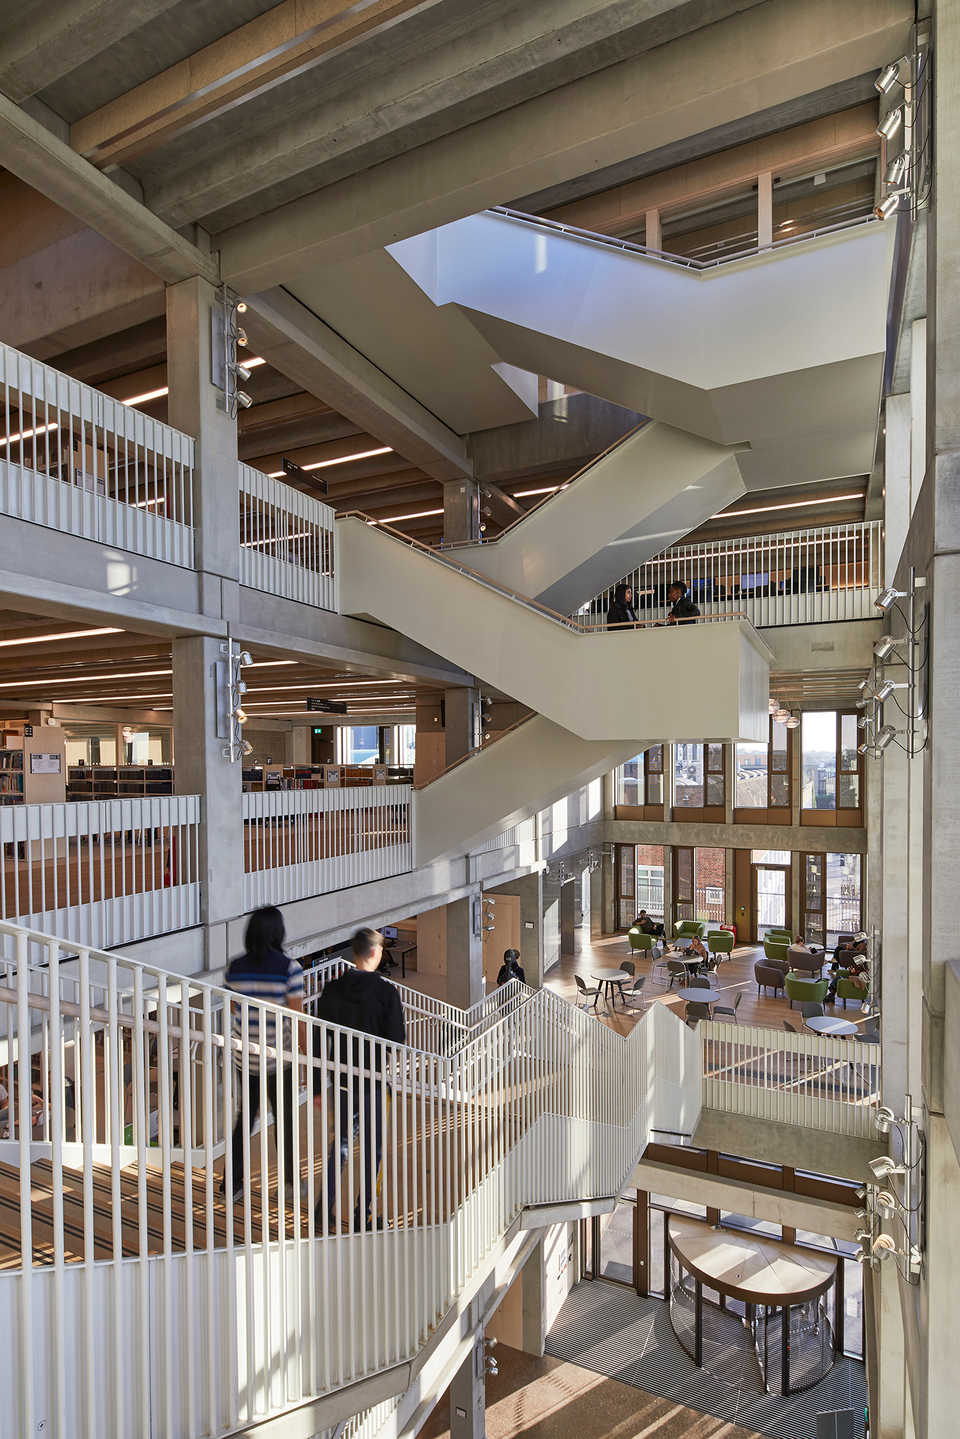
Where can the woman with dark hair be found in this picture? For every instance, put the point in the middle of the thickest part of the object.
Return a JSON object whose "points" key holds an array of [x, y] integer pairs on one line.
{"points": [[264, 972], [510, 968], [621, 611]]}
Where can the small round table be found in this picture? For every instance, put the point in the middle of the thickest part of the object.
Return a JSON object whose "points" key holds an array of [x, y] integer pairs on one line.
{"points": [[826, 1024], [697, 994], [611, 979]]}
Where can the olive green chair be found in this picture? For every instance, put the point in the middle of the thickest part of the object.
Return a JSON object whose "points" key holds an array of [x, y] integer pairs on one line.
{"points": [[776, 951], [720, 942], [689, 928], [846, 989], [640, 941], [779, 936], [805, 991]]}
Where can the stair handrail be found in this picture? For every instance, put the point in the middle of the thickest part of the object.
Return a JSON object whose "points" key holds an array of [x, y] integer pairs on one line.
{"points": [[473, 753], [577, 626], [686, 262], [535, 509]]}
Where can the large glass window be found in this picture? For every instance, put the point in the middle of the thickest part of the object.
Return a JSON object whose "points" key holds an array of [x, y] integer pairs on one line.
{"points": [[698, 776], [763, 772], [639, 882], [653, 774], [830, 766], [832, 897], [699, 883], [640, 780], [360, 744]]}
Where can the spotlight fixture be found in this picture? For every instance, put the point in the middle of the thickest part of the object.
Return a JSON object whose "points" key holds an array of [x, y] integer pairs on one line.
{"points": [[884, 1167], [870, 699], [889, 75], [244, 399], [885, 691], [885, 598], [242, 337], [885, 1119], [891, 123], [243, 373], [246, 747], [889, 204], [885, 737], [884, 646], [240, 715], [241, 307], [896, 170], [886, 1204]]}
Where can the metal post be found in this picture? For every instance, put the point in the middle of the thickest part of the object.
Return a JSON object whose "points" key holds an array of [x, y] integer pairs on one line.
{"points": [[698, 1331], [785, 1350]]}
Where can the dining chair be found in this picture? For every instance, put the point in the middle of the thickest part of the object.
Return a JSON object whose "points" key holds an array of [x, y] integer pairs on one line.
{"points": [[636, 991], [729, 1009], [586, 993]]}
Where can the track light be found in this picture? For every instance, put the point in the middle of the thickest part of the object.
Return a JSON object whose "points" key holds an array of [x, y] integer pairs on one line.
{"points": [[243, 373], [240, 715], [885, 737], [244, 399], [885, 691], [246, 747], [889, 76], [885, 598], [891, 123], [884, 646], [885, 209], [885, 1166], [242, 305], [245, 657], [869, 699], [242, 337], [896, 170]]}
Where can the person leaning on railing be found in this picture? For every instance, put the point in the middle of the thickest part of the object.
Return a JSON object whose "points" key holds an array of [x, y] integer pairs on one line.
{"points": [[683, 611], [620, 610]]}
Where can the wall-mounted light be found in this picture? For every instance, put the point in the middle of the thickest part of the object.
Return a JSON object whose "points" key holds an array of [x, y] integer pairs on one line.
{"points": [[889, 204], [896, 170], [891, 123], [885, 646], [890, 75]]}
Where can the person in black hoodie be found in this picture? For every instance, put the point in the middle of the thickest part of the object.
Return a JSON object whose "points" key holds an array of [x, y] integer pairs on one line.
{"points": [[360, 999], [621, 611], [682, 610], [510, 968]]}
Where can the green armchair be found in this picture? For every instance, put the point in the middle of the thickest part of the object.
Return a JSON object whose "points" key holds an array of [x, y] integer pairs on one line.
{"points": [[640, 941], [776, 951], [720, 941], [805, 991], [688, 928], [779, 936], [846, 989]]}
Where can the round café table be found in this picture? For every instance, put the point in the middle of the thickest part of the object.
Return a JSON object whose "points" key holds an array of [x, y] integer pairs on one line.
{"points": [[698, 994], [611, 979], [826, 1024]]}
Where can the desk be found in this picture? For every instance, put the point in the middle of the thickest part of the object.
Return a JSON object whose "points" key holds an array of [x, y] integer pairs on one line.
{"points": [[826, 1024], [611, 979]]}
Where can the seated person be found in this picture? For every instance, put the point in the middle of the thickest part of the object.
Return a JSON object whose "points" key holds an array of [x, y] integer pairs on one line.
{"points": [[621, 611], [699, 949], [510, 969], [845, 952], [856, 973], [646, 925]]}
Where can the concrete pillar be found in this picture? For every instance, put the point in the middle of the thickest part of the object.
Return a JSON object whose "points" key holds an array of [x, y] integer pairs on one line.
{"points": [[201, 769], [896, 482], [918, 409], [461, 511], [764, 209], [464, 954], [192, 407], [567, 918], [301, 738], [653, 236], [529, 887], [467, 1396], [533, 1299], [460, 721], [596, 901]]}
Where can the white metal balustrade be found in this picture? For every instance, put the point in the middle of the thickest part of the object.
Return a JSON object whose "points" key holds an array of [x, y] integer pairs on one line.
{"points": [[103, 872], [137, 1300], [816, 1080], [287, 541], [524, 833], [299, 843], [76, 460], [797, 577]]}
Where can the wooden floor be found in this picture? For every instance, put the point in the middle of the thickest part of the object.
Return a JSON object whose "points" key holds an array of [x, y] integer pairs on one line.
{"points": [[735, 976]]}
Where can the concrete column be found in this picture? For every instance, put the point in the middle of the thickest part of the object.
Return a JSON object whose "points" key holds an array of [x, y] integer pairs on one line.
{"points": [[461, 511], [192, 407], [467, 1396], [896, 482], [530, 890], [764, 209], [596, 901], [460, 729], [464, 954], [301, 737], [201, 769], [918, 409], [533, 1286], [567, 918], [653, 236]]}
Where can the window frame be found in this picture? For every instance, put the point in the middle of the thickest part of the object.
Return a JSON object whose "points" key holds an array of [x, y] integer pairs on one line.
{"points": [[840, 816], [775, 811]]}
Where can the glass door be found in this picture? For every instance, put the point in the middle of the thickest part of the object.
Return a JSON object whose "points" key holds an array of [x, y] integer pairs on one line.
{"points": [[770, 899]]}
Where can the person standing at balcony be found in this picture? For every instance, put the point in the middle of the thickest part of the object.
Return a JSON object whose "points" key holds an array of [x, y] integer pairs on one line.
{"points": [[683, 611], [264, 972], [621, 611], [361, 1000], [510, 969]]}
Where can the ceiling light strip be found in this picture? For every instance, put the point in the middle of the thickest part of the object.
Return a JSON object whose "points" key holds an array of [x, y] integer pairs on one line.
{"points": [[64, 635]]}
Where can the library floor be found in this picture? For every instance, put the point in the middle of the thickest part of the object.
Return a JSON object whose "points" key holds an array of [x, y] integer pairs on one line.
{"points": [[550, 1399]]}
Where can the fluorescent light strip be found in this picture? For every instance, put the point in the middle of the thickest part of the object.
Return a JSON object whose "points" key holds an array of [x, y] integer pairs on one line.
{"points": [[252, 362], [417, 515], [343, 460], [54, 683], [524, 494], [149, 395], [268, 664], [108, 699], [29, 434], [66, 635], [342, 684], [795, 505]]}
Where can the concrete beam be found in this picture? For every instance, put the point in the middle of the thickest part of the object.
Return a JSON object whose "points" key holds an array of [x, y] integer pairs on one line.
{"points": [[746, 836], [748, 61], [568, 433], [814, 1150], [56, 37], [50, 166], [298, 344], [776, 1206]]}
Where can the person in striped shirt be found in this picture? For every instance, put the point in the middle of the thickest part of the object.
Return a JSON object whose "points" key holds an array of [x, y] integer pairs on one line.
{"points": [[264, 972]]}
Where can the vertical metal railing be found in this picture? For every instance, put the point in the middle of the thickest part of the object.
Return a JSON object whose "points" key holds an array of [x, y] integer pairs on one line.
{"points": [[102, 871], [286, 541], [808, 576], [153, 1120], [76, 460], [304, 842]]}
